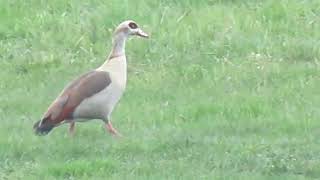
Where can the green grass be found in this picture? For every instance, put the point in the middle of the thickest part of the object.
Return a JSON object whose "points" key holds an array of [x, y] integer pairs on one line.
{"points": [[224, 89]]}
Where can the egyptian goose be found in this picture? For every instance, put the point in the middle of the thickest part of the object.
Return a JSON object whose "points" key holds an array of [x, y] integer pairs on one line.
{"points": [[93, 95]]}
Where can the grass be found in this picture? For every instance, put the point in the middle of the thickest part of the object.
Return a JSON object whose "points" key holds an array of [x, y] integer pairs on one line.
{"points": [[223, 89]]}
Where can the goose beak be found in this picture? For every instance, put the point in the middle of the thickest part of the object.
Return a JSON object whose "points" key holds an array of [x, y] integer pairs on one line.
{"points": [[142, 34]]}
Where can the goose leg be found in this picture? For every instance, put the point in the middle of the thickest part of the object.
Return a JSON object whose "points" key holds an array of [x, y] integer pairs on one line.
{"points": [[112, 130], [72, 128]]}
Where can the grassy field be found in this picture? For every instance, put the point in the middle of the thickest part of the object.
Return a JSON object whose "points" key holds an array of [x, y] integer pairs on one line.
{"points": [[224, 89]]}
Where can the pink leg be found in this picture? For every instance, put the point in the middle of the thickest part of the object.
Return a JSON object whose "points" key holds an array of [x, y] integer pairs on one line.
{"points": [[71, 128], [112, 130]]}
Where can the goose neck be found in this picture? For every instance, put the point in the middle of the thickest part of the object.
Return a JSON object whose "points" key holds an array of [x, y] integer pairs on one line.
{"points": [[119, 44]]}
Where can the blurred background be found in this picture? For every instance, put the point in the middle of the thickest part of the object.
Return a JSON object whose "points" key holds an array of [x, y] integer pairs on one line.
{"points": [[223, 89]]}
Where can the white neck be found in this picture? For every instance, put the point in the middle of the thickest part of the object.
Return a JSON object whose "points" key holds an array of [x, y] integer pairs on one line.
{"points": [[119, 44], [117, 55]]}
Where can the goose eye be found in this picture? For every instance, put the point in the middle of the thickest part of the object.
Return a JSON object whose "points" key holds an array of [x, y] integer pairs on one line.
{"points": [[133, 25]]}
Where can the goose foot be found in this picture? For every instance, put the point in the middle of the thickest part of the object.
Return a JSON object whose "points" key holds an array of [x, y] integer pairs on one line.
{"points": [[112, 130], [72, 129]]}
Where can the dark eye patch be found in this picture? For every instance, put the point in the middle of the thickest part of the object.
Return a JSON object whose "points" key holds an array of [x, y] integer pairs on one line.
{"points": [[133, 25]]}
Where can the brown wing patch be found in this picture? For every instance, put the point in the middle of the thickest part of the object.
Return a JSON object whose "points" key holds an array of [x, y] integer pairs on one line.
{"points": [[56, 107], [85, 86]]}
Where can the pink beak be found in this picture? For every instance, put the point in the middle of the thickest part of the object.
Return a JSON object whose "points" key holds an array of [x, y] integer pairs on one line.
{"points": [[142, 34]]}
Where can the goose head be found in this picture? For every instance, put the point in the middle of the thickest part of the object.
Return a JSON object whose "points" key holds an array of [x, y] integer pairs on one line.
{"points": [[121, 34], [130, 28]]}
